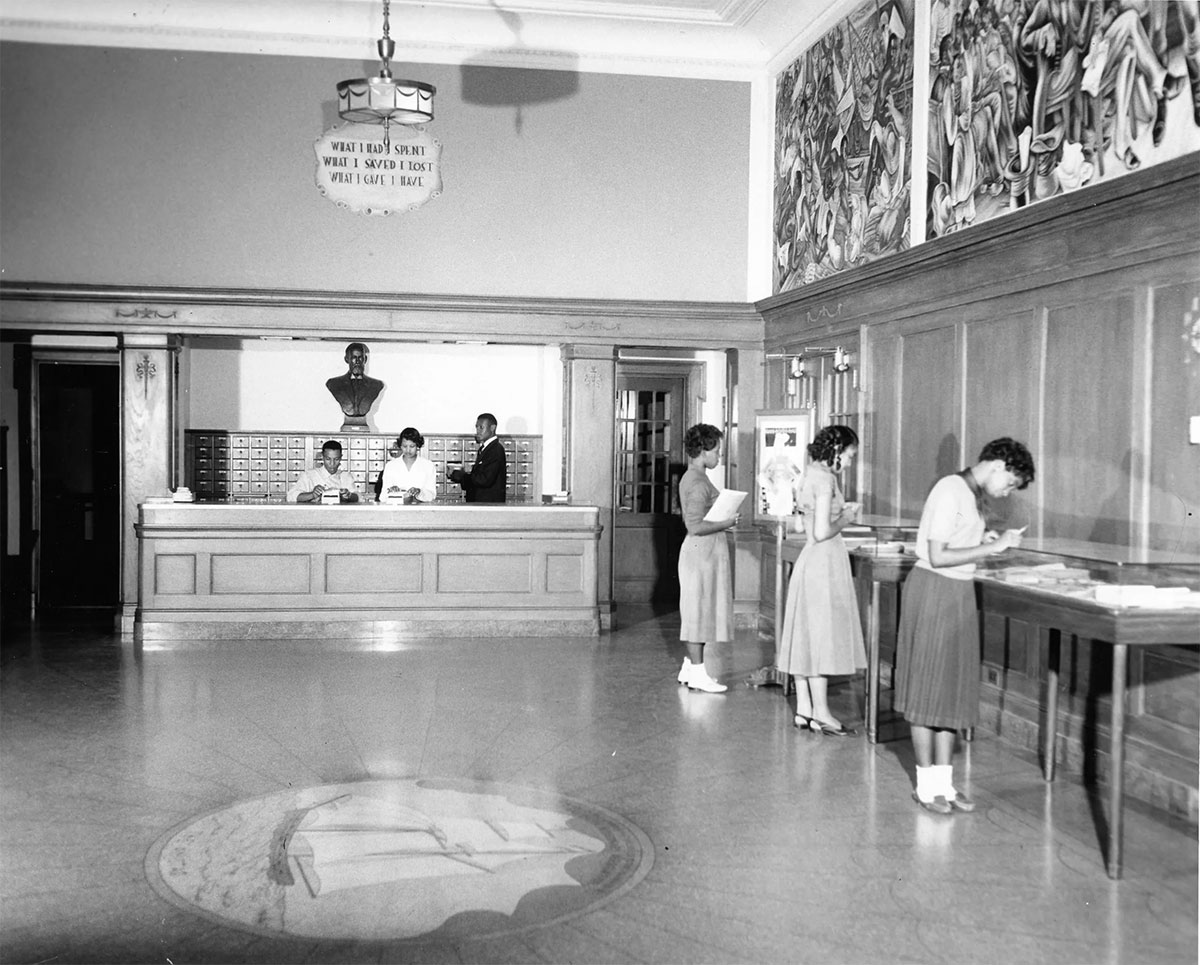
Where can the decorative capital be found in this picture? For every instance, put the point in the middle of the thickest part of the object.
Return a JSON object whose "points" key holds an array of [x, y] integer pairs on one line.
{"points": [[144, 371]]}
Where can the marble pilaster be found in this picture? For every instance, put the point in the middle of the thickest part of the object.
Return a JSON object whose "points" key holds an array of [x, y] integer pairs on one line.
{"points": [[591, 378], [147, 444]]}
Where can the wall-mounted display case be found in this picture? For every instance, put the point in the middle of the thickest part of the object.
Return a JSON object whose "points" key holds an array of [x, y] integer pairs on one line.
{"points": [[780, 453]]}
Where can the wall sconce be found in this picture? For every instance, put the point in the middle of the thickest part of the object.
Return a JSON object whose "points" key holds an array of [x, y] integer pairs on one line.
{"points": [[837, 354], [805, 391]]}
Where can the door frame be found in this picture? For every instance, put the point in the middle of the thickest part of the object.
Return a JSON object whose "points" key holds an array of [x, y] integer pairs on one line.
{"points": [[39, 356], [691, 373]]}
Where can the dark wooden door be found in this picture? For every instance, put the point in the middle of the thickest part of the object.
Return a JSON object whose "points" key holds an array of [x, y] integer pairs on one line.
{"points": [[77, 477]]}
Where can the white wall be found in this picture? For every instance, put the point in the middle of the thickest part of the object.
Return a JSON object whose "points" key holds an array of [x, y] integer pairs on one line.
{"points": [[623, 187], [280, 386]]}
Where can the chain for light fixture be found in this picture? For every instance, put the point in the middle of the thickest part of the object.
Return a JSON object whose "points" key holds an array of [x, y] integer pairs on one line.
{"points": [[383, 100]]}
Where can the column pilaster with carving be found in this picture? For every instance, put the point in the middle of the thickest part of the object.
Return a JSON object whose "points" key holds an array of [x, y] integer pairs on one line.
{"points": [[147, 444], [590, 409]]}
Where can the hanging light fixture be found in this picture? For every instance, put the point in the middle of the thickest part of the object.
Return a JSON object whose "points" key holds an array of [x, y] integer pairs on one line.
{"points": [[383, 100]]}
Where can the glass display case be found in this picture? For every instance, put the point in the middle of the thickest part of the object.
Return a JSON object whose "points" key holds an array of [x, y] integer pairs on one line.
{"points": [[1112, 597], [882, 536], [1108, 574]]}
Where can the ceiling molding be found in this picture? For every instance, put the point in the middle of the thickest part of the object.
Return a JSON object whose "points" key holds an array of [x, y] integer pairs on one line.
{"points": [[716, 39]]}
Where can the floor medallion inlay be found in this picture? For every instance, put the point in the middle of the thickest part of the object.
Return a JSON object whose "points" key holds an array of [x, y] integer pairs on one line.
{"points": [[421, 860]]}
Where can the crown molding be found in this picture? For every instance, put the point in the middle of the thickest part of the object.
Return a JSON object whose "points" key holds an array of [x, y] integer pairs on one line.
{"points": [[35, 307]]}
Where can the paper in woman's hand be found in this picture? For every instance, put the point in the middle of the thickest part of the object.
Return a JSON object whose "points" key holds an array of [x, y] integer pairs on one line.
{"points": [[726, 505]]}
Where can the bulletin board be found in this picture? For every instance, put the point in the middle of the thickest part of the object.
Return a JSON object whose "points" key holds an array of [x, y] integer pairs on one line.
{"points": [[780, 454]]}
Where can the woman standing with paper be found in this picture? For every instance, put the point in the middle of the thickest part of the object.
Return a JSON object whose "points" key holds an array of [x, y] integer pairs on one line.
{"points": [[705, 587], [821, 632]]}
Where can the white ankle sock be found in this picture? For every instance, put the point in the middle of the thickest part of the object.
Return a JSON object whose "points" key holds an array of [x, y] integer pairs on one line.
{"points": [[926, 787], [943, 780]]}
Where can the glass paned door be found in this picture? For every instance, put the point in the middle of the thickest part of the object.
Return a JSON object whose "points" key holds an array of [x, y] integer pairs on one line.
{"points": [[644, 450], [649, 456]]}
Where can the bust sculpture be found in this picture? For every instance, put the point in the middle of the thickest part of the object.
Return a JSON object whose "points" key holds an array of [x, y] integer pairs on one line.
{"points": [[355, 391]]}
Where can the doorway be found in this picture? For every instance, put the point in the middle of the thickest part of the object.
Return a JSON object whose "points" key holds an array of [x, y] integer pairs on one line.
{"points": [[76, 512], [652, 411]]}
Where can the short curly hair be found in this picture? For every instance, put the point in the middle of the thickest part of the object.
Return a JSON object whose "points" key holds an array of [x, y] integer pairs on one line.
{"points": [[700, 438], [1017, 459], [830, 443], [411, 435]]}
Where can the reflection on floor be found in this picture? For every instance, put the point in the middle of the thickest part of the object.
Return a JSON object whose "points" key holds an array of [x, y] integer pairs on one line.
{"points": [[700, 828]]}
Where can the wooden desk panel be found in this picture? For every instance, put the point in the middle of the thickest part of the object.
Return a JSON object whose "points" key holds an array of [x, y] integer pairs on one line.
{"points": [[222, 571]]}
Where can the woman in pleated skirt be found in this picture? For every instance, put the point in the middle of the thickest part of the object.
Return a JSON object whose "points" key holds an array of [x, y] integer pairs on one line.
{"points": [[937, 646]]}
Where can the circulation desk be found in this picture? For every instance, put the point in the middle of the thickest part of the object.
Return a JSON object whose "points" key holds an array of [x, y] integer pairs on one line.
{"points": [[365, 571]]}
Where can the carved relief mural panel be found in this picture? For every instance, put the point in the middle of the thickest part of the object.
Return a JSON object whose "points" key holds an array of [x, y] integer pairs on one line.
{"points": [[1030, 100], [1026, 100], [843, 131]]}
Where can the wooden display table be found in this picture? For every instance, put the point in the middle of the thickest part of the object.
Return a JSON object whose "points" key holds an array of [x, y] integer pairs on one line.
{"points": [[1122, 627], [381, 572], [871, 570], [865, 535]]}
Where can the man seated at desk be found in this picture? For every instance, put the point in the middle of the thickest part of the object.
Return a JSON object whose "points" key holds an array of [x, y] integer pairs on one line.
{"points": [[485, 482], [313, 484]]}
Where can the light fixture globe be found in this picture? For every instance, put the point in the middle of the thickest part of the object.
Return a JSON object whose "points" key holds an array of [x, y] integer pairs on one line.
{"points": [[374, 100]]}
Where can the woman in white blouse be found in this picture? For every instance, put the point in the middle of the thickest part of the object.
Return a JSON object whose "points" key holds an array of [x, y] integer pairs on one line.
{"points": [[412, 476]]}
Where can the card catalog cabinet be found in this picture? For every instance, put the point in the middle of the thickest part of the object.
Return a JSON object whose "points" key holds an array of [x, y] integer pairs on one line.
{"points": [[260, 466]]}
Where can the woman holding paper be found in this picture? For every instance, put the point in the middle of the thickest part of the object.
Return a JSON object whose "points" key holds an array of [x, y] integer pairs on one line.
{"points": [[821, 632], [937, 646], [705, 588]]}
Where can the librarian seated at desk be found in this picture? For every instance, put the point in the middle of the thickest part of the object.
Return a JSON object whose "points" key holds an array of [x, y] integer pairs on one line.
{"points": [[487, 479], [313, 484], [411, 478]]}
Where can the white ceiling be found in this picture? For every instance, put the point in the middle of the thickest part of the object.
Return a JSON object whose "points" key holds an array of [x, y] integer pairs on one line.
{"points": [[718, 39]]}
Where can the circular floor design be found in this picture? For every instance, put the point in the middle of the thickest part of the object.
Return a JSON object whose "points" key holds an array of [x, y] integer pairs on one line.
{"points": [[415, 860]]}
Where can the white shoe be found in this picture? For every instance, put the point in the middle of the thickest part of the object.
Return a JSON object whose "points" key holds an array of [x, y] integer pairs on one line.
{"points": [[700, 680], [685, 671]]}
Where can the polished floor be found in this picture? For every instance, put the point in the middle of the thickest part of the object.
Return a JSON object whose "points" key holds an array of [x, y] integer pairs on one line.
{"points": [[145, 795]]}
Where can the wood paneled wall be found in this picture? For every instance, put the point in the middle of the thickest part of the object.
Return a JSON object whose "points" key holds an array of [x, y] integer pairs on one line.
{"points": [[1066, 325], [1071, 325]]}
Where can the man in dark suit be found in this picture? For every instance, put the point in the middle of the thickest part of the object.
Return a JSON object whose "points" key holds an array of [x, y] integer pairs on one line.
{"points": [[355, 391], [486, 481]]}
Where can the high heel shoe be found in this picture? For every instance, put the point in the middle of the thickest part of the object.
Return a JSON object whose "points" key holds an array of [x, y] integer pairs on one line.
{"points": [[829, 730], [803, 723]]}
